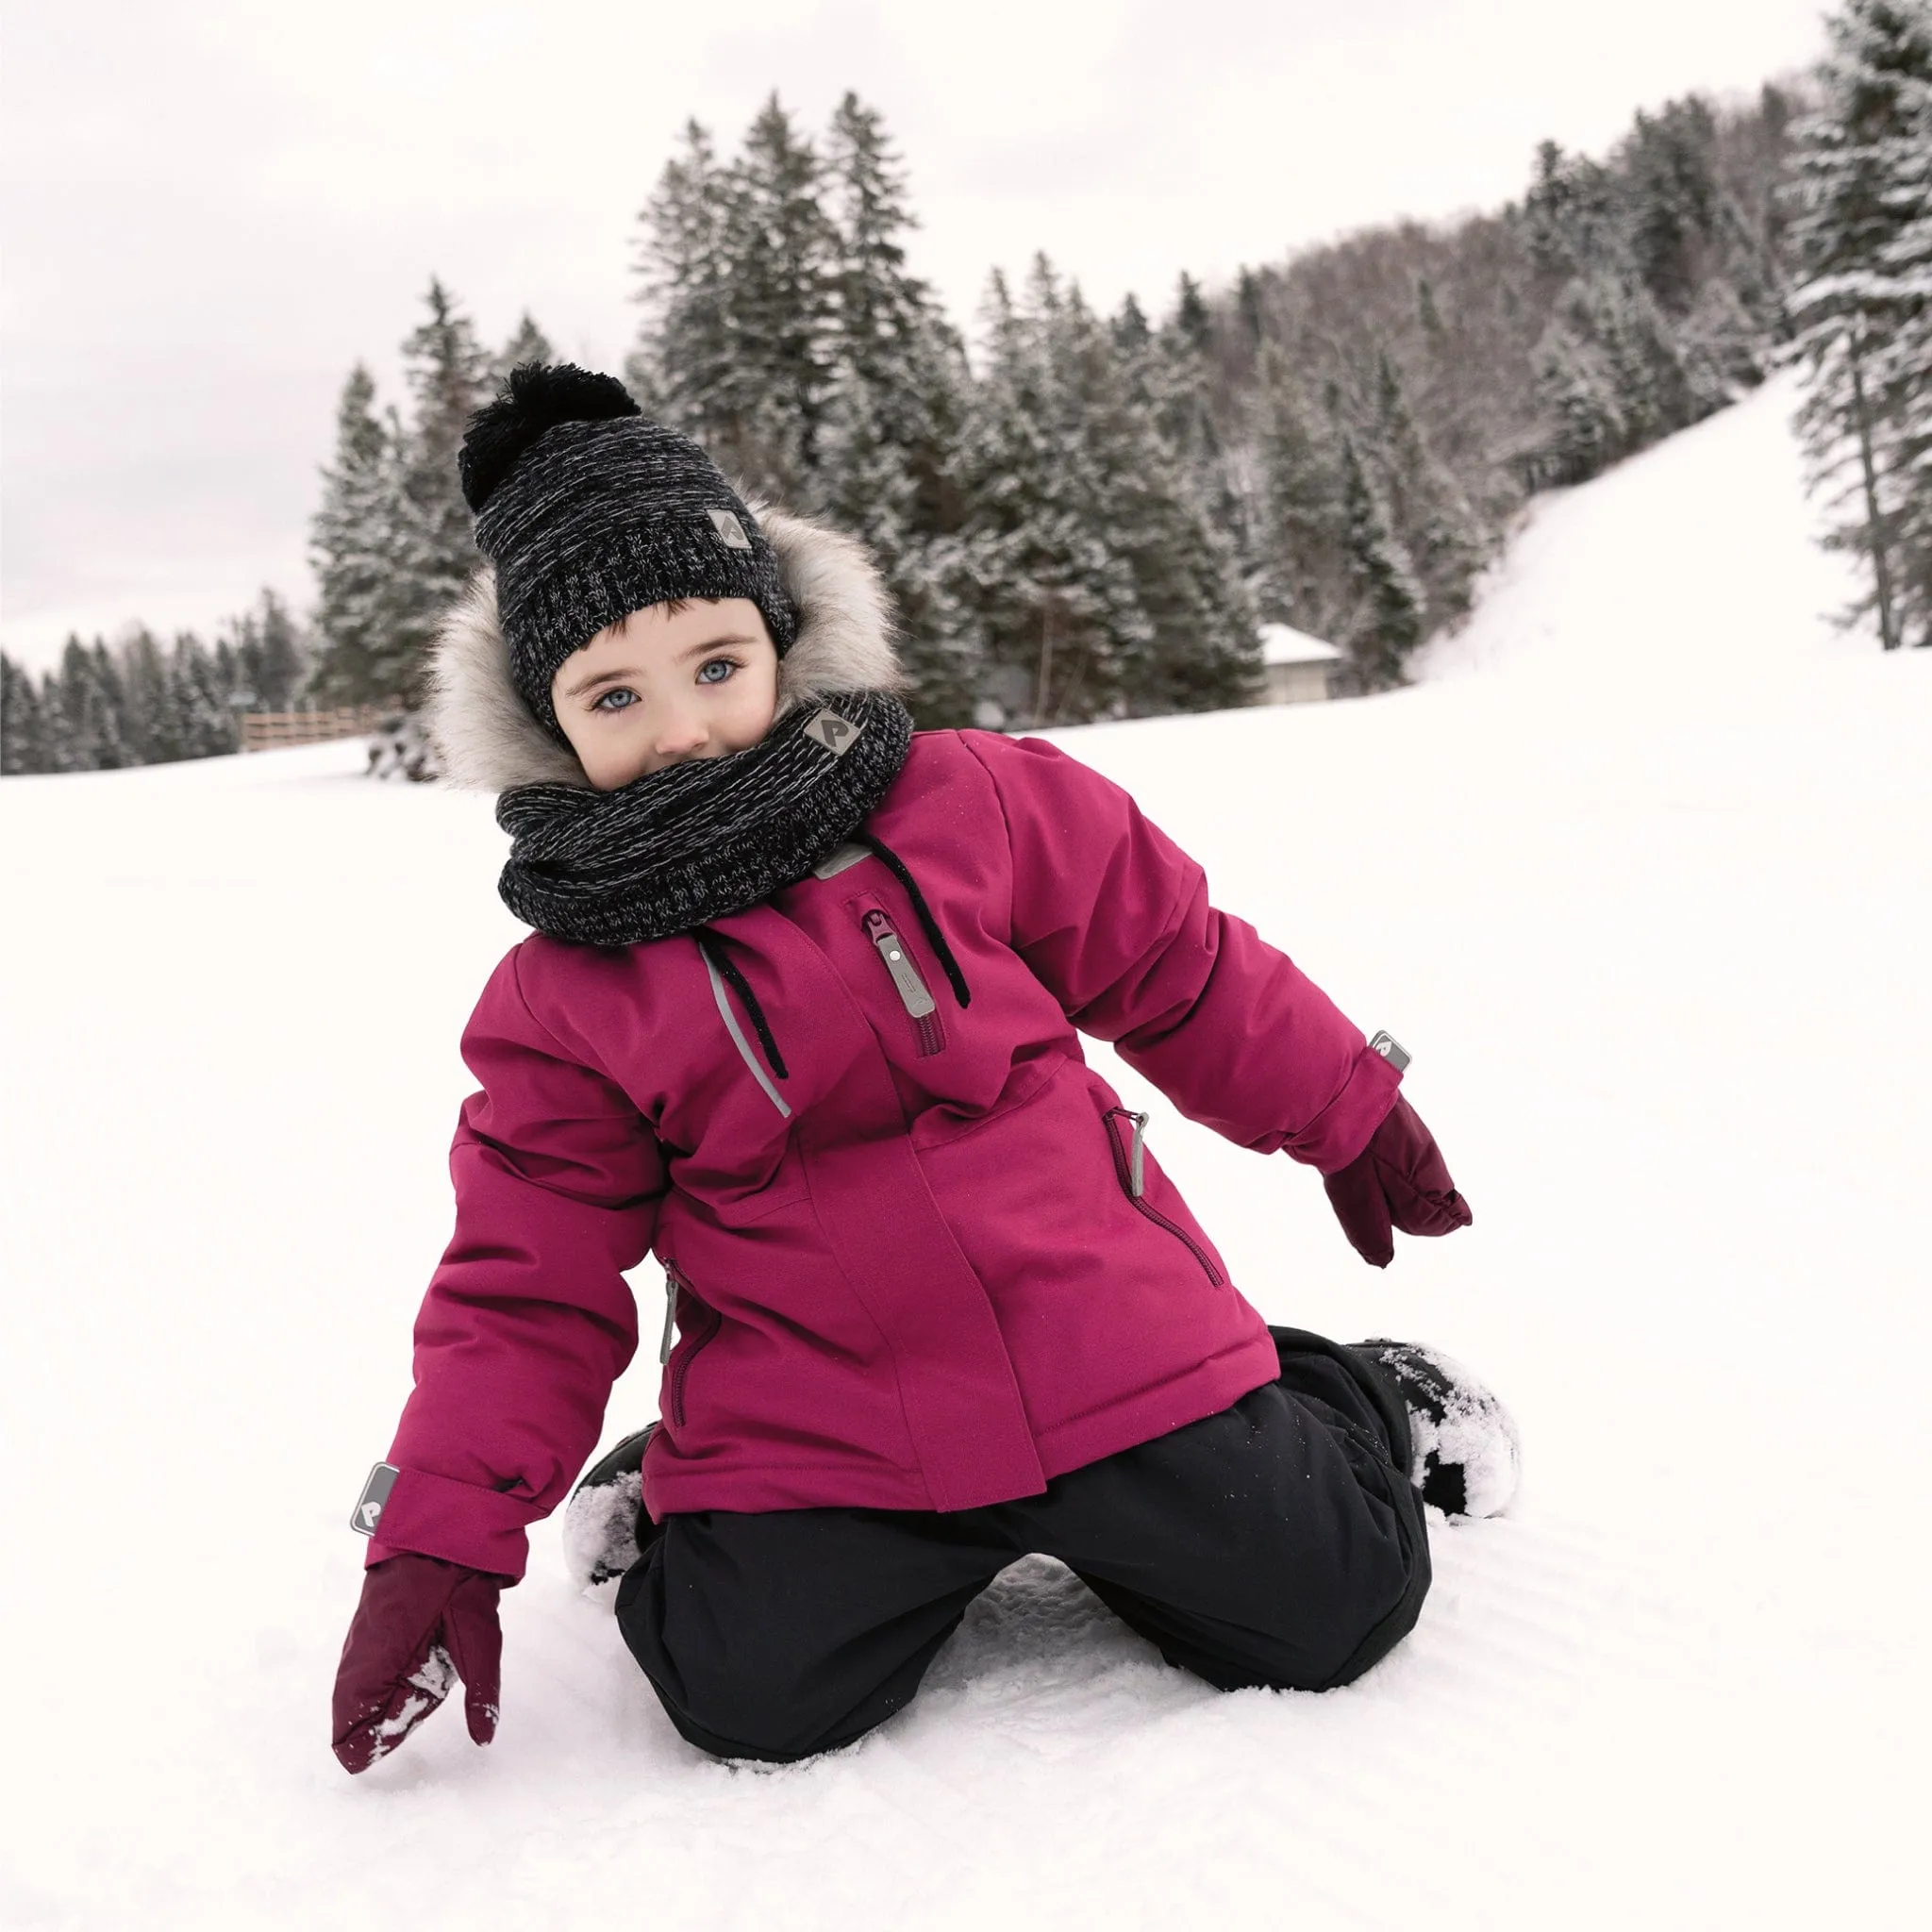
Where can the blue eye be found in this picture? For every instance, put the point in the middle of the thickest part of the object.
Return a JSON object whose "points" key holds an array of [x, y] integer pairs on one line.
{"points": [[624, 699], [724, 667]]}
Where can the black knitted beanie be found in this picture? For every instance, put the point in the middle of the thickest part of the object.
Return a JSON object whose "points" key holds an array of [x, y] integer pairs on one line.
{"points": [[588, 510]]}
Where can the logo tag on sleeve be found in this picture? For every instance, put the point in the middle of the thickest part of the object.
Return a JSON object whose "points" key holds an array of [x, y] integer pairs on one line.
{"points": [[1392, 1050], [368, 1511]]}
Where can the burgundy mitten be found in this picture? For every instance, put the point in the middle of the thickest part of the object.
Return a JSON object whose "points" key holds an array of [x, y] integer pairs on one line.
{"points": [[1400, 1180], [422, 1625]]}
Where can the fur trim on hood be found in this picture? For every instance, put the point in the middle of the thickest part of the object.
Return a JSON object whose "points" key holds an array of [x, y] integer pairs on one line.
{"points": [[490, 740]]}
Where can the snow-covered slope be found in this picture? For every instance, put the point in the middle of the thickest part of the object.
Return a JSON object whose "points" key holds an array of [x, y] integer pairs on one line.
{"points": [[1637, 873]]}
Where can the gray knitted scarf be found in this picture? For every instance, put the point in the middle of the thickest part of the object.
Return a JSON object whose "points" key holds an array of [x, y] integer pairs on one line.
{"points": [[702, 839]]}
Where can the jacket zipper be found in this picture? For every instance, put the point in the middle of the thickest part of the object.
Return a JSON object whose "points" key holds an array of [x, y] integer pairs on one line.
{"points": [[914, 994], [1130, 1164], [703, 1330]]}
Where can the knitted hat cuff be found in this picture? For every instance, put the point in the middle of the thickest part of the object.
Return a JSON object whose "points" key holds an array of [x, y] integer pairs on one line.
{"points": [[677, 556]]}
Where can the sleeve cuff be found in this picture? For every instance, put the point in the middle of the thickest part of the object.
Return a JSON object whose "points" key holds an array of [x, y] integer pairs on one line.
{"points": [[1340, 1132], [438, 1516]]}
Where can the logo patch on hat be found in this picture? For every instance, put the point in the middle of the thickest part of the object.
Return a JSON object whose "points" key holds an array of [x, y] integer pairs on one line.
{"points": [[730, 529], [838, 735]]}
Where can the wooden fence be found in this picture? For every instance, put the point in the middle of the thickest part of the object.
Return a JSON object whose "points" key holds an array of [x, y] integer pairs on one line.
{"points": [[271, 730]]}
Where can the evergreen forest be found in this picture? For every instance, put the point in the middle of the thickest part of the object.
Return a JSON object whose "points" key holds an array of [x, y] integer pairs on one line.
{"points": [[1088, 515]]}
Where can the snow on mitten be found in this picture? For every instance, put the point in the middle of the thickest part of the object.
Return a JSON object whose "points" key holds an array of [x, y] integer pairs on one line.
{"points": [[421, 1626]]}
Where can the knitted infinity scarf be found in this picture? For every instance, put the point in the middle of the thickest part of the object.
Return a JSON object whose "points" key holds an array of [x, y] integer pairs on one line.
{"points": [[702, 839]]}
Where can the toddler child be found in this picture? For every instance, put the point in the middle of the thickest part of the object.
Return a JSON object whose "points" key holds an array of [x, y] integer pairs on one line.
{"points": [[801, 1016]]}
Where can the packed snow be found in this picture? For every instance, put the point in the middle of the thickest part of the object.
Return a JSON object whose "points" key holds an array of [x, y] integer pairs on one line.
{"points": [[1637, 874]]}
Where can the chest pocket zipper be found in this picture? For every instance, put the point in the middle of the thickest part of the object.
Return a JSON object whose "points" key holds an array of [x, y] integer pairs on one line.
{"points": [[1130, 1164], [703, 1323], [908, 981]]}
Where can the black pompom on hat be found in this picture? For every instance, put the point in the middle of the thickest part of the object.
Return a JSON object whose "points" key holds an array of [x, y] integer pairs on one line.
{"points": [[589, 511]]}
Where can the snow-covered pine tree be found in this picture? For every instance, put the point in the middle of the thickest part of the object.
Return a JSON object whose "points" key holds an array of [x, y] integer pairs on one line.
{"points": [[270, 661], [353, 541], [447, 373], [1676, 215], [1055, 604], [1250, 307], [91, 707], [172, 734], [868, 489], [739, 278], [1166, 509], [1179, 375], [1192, 321], [679, 367], [1582, 421], [1571, 215], [202, 686], [1693, 250], [1641, 355], [527, 343], [1722, 346], [23, 725], [1387, 623], [1641, 262], [1300, 525], [1863, 236], [148, 712], [890, 443], [1755, 149], [885, 314], [784, 252], [1904, 371], [1428, 511], [57, 732]]}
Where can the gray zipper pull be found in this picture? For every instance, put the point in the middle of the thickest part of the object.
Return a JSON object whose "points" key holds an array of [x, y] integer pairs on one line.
{"points": [[669, 1316], [1136, 1157], [913, 994]]}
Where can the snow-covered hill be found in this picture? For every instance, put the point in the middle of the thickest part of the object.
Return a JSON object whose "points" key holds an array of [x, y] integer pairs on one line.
{"points": [[1638, 872]]}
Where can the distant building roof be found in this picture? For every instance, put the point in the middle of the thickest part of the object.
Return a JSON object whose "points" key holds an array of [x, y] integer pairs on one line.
{"points": [[1283, 644]]}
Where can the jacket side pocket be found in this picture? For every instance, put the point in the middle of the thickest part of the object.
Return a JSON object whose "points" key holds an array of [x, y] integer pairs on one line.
{"points": [[1125, 1138]]}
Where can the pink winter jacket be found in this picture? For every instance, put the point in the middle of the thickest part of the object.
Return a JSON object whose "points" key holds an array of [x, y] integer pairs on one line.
{"points": [[931, 1265]]}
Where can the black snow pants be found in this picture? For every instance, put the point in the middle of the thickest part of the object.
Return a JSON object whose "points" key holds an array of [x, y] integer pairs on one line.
{"points": [[1276, 1543]]}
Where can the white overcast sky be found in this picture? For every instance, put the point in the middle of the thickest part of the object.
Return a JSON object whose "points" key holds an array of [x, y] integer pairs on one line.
{"points": [[209, 211]]}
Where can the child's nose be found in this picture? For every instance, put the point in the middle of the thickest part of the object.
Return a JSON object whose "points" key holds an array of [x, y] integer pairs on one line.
{"points": [[679, 736]]}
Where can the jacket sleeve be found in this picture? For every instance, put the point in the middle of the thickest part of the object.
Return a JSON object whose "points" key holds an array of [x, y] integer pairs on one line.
{"points": [[1114, 919], [528, 1320]]}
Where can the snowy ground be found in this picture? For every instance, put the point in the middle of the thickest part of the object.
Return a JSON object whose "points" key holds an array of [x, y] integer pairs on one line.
{"points": [[1638, 873]]}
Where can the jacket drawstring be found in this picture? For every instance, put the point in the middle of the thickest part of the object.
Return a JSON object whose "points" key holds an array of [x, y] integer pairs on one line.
{"points": [[721, 959], [897, 866]]}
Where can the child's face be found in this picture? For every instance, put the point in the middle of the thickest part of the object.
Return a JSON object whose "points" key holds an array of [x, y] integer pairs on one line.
{"points": [[664, 684]]}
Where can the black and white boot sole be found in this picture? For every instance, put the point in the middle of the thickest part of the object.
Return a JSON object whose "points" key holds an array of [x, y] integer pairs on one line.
{"points": [[602, 1519], [1466, 1456]]}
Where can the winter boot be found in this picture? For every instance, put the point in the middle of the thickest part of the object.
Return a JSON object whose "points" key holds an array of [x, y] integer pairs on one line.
{"points": [[605, 1527], [1465, 1455]]}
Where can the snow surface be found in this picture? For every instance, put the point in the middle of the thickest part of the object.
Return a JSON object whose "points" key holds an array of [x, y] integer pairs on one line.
{"points": [[1639, 875]]}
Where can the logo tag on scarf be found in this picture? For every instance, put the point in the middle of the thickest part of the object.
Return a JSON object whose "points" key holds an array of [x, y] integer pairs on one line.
{"points": [[730, 531], [838, 735], [368, 1511]]}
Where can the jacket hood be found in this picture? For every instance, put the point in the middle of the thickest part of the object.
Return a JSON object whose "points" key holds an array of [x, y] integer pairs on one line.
{"points": [[490, 740]]}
